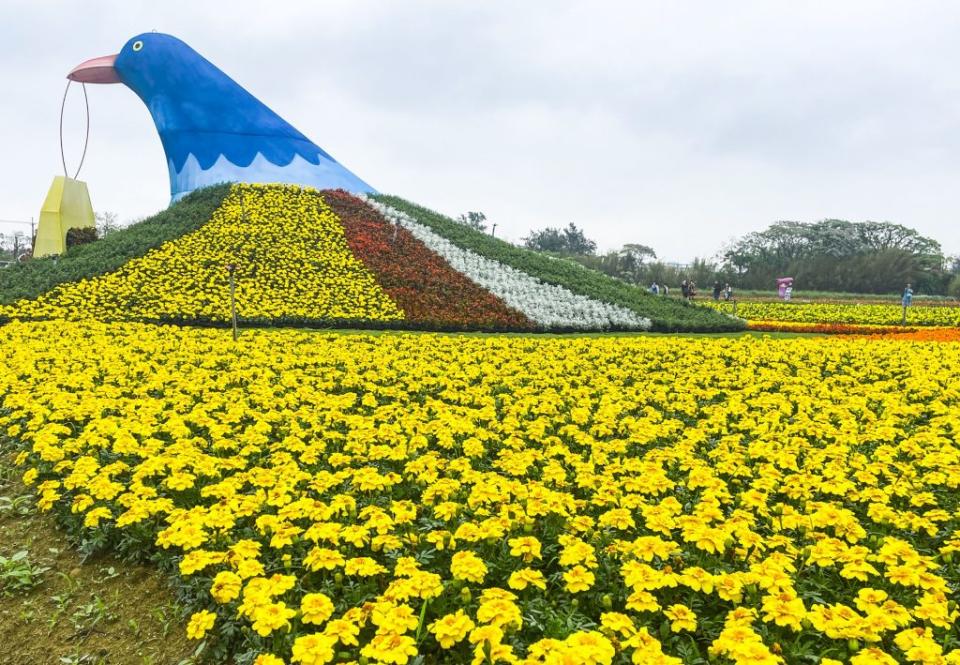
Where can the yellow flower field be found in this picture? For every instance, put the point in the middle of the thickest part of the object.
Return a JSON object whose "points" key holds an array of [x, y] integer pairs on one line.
{"points": [[867, 314], [372, 498]]}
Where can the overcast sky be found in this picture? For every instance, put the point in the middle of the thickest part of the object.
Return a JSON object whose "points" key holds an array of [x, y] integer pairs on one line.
{"points": [[675, 124]]}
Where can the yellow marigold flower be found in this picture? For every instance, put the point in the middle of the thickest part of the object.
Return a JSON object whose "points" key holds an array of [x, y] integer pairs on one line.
{"points": [[315, 608], [578, 579], [390, 618], [642, 601], [486, 635], [525, 577], [226, 586], [590, 648], [496, 593], [268, 659], [200, 622], [499, 612], [451, 628], [314, 649], [873, 656], [345, 631], [468, 566], [95, 516], [320, 558], [248, 568], [270, 617], [390, 648], [525, 547], [681, 618], [697, 579], [784, 609], [867, 598], [647, 649], [617, 623], [363, 567]]}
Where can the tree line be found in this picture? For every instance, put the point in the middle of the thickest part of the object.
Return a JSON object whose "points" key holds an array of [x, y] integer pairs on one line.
{"points": [[829, 255]]}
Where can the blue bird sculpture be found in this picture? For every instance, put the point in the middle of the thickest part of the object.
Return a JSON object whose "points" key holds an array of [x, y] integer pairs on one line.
{"points": [[211, 128]]}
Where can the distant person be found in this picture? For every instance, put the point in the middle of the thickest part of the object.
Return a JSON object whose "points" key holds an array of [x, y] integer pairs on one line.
{"points": [[655, 289], [788, 292], [665, 291], [692, 289], [716, 290], [727, 292], [685, 289], [907, 296]]}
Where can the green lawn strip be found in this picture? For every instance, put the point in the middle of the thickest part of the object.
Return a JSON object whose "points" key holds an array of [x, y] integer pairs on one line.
{"points": [[31, 279], [667, 314]]}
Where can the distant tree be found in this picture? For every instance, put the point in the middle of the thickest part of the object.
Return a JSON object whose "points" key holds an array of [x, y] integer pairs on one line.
{"points": [[834, 254], [546, 240], [577, 241], [107, 223], [569, 240], [632, 260], [954, 288], [475, 220], [14, 245]]}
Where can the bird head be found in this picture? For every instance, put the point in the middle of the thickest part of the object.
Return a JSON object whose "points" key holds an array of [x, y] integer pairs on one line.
{"points": [[147, 64], [183, 91]]}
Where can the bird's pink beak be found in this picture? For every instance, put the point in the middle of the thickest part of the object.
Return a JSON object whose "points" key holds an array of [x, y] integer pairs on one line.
{"points": [[96, 70]]}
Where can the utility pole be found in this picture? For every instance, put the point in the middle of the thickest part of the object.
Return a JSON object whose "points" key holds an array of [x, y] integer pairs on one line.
{"points": [[231, 268]]}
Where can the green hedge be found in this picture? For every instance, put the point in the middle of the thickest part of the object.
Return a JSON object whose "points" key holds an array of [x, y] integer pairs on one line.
{"points": [[30, 279], [667, 314]]}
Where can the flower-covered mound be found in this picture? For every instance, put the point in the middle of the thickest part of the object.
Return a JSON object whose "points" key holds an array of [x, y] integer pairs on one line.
{"points": [[332, 497], [291, 258], [295, 260]]}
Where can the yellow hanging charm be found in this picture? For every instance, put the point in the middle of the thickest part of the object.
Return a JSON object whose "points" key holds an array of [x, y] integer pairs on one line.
{"points": [[67, 206]]}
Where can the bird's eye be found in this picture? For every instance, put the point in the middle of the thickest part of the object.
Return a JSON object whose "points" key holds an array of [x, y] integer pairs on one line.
{"points": [[137, 45]]}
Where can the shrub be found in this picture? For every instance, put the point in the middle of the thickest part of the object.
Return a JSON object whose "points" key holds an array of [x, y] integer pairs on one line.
{"points": [[81, 236]]}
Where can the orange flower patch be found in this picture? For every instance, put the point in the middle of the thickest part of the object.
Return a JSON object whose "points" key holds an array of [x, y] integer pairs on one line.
{"points": [[825, 328], [926, 335]]}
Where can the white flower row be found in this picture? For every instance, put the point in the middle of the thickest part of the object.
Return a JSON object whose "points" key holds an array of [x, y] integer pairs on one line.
{"points": [[547, 305]]}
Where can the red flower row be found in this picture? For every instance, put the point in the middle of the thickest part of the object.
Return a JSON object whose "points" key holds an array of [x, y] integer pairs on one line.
{"points": [[423, 284]]}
